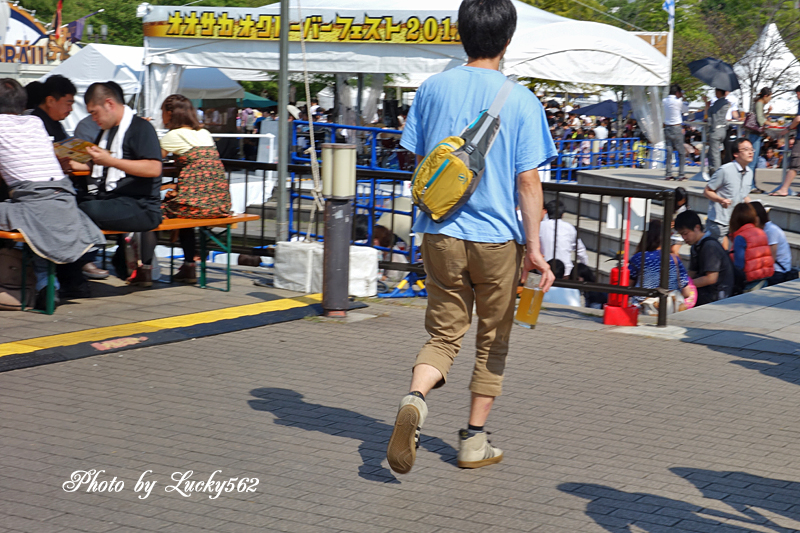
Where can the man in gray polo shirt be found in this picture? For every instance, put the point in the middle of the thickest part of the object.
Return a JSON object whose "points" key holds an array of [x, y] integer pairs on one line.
{"points": [[718, 128], [730, 185]]}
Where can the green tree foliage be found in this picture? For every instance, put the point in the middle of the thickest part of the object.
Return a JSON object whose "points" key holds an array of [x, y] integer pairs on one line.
{"points": [[571, 9]]}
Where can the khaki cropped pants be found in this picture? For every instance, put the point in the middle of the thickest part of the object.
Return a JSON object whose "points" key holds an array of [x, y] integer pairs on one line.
{"points": [[460, 274]]}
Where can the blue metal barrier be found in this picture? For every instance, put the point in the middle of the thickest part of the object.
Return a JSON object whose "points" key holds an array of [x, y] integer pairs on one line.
{"points": [[377, 148]]}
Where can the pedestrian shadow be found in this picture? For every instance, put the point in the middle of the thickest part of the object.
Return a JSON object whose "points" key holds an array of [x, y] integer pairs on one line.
{"points": [[747, 495], [783, 367], [291, 410], [618, 511], [770, 355]]}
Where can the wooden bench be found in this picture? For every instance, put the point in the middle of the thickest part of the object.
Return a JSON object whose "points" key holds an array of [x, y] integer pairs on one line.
{"points": [[203, 224]]}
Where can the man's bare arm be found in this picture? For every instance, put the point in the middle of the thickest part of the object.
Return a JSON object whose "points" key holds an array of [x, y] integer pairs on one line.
{"points": [[531, 199]]}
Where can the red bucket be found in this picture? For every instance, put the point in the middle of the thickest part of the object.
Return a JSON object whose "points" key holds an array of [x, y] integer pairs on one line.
{"points": [[620, 316]]}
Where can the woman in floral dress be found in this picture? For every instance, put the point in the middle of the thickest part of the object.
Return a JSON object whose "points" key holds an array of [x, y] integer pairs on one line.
{"points": [[202, 189]]}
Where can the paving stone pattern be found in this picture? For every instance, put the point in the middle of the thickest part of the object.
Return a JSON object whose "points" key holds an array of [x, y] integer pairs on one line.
{"points": [[602, 432]]}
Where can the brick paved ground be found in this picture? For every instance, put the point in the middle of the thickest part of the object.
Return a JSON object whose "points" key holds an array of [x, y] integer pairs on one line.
{"points": [[602, 432]]}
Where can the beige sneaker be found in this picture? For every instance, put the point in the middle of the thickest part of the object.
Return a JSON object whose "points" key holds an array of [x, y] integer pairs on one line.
{"points": [[403, 444], [476, 451]]}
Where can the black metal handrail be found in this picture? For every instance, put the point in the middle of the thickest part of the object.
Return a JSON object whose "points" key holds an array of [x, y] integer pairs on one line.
{"points": [[665, 196]]}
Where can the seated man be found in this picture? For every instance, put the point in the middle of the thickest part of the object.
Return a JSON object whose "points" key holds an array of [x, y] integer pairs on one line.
{"points": [[559, 239], [58, 96], [42, 201], [127, 161], [709, 266], [561, 295]]}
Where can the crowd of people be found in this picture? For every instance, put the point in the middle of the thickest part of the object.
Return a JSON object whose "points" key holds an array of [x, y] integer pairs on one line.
{"points": [[120, 189], [764, 133], [592, 141], [61, 205], [738, 249]]}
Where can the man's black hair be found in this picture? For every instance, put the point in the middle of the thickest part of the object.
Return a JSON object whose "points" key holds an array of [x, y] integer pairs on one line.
{"points": [[680, 194], [674, 89], [35, 91], [58, 87], [102, 90], [486, 26], [12, 97], [687, 220], [737, 143], [558, 268], [797, 89], [554, 209], [761, 211]]}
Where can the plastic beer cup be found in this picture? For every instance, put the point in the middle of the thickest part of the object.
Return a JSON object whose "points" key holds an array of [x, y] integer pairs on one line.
{"points": [[530, 302]]}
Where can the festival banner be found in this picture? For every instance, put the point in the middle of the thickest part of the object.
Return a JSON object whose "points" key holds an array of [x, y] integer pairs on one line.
{"points": [[315, 28]]}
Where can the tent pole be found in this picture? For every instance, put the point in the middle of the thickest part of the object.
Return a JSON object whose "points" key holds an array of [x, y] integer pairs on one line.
{"points": [[281, 219], [670, 40], [359, 99]]}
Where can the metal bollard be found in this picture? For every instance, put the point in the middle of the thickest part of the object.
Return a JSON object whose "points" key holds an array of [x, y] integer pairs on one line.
{"points": [[339, 189]]}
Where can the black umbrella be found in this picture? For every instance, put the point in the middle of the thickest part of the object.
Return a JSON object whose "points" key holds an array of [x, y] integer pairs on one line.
{"points": [[714, 72]]}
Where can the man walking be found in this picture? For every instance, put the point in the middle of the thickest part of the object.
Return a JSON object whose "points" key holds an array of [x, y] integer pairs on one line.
{"points": [[730, 185], [794, 162], [474, 256], [717, 128], [674, 108]]}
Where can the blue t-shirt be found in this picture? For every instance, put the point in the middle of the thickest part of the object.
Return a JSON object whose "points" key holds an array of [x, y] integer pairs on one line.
{"points": [[783, 258], [446, 104]]}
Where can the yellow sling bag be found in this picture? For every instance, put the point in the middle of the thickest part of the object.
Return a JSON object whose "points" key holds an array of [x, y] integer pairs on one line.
{"points": [[446, 178]]}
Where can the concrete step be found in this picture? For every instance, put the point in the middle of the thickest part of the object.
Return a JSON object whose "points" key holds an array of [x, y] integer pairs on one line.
{"points": [[784, 212]]}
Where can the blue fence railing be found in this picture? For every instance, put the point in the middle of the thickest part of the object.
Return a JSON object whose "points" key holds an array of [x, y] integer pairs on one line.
{"points": [[384, 200], [379, 149]]}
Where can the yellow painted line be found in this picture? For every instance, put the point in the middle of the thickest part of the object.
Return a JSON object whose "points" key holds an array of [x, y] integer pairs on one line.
{"points": [[150, 326]]}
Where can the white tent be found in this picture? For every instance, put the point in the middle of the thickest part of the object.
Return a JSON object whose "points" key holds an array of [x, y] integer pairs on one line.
{"points": [[364, 36], [124, 65], [769, 63]]}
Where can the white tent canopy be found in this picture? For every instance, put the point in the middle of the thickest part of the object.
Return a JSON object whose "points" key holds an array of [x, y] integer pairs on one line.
{"points": [[544, 46], [124, 65], [769, 63]]}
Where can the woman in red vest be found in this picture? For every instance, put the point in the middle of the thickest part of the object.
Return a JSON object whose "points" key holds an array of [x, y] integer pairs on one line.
{"points": [[750, 252]]}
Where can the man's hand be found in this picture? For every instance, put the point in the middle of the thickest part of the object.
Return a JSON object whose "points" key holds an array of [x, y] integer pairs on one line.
{"points": [[535, 260], [725, 202], [100, 156], [74, 166]]}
